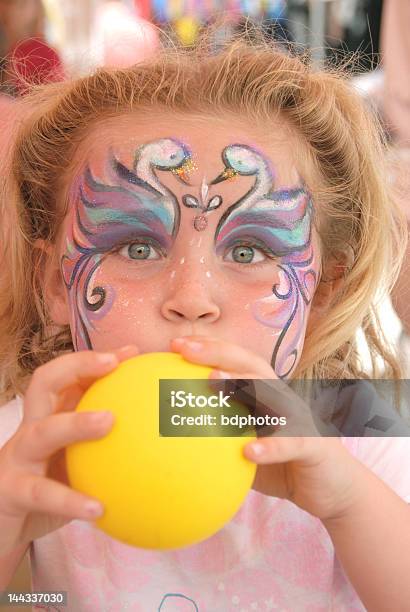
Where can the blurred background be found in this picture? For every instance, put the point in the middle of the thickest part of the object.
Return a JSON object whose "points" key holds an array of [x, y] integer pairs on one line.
{"points": [[86, 33], [48, 40]]}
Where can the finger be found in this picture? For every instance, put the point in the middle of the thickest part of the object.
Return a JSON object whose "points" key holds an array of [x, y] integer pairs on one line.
{"points": [[56, 376], [126, 352], [40, 439], [283, 449], [38, 494], [272, 397], [57, 467], [222, 374], [222, 355], [265, 419], [69, 399], [234, 382]]}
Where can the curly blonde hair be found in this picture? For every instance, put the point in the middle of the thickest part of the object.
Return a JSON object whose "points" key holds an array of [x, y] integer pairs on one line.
{"points": [[257, 81]]}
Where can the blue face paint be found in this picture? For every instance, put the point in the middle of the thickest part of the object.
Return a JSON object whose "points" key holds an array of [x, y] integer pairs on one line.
{"points": [[127, 205], [279, 222]]}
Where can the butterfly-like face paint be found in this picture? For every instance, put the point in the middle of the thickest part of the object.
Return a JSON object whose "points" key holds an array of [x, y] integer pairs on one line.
{"points": [[133, 203], [281, 222], [141, 265]]}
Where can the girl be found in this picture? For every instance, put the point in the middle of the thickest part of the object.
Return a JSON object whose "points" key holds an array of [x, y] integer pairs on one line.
{"points": [[231, 207]]}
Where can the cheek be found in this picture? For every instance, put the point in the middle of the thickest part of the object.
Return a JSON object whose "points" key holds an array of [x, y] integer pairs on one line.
{"points": [[128, 312], [130, 317], [285, 311]]}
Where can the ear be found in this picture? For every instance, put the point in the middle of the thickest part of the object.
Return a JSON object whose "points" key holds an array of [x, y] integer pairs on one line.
{"points": [[330, 285], [54, 290]]}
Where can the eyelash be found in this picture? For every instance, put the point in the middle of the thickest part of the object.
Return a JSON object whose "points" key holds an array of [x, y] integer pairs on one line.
{"points": [[255, 244], [145, 240], [248, 242]]}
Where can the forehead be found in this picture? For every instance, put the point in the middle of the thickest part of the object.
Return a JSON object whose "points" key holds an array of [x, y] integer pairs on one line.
{"points": [[205, 136]]}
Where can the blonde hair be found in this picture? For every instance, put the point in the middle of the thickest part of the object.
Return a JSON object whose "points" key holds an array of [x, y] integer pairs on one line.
{"points": [[254, 80]]}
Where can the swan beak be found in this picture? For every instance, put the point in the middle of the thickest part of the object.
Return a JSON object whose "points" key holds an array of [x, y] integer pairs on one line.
{"points": [[227, 174], [184, 175], [182, 172]]}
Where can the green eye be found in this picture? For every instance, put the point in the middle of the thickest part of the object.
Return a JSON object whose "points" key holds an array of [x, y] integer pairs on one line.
{"points": [[139, 251], [243, 254], [247, 252]]}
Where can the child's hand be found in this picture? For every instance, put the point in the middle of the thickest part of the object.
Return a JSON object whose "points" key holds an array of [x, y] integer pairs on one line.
{"points": [[316, 473], [34, 496]]}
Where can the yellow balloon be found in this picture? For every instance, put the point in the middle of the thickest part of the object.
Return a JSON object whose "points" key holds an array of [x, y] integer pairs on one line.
{"points": [[159, 492]]}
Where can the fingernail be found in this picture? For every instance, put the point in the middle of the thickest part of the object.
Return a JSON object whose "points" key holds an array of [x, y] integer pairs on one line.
{"points": [[190, 344], [256, 448], [220, 374], [179, 341], [107, 358], [194, 346], [129, 348], [93, 508], [101, 417]]}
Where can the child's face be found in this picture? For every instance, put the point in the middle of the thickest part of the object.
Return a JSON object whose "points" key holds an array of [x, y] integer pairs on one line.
{"points": [[189, 226]]}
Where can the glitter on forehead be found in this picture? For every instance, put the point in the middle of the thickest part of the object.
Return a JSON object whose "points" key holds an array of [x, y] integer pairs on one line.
{"points": [[230, 174], [200, 223], [188, 166]]}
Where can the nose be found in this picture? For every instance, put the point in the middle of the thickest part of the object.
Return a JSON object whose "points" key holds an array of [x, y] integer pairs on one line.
{"points": [[191, 301]]}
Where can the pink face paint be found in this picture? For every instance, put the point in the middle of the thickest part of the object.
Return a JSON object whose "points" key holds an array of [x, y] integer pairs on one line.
{"points": [[112, 211], [286, 310], [279, 223], [131, 240]]}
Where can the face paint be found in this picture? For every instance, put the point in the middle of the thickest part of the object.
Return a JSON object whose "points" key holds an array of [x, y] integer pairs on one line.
{"points": [[279, 223], [128, 204], [118, 205], [206, 206]]}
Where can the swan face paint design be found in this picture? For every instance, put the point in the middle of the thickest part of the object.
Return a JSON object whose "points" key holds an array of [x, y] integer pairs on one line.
{"points": [[280, 222], [111, 212]]}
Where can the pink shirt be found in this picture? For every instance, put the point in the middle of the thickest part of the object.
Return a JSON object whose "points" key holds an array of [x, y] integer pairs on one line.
{"points": [[271, 556]]}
